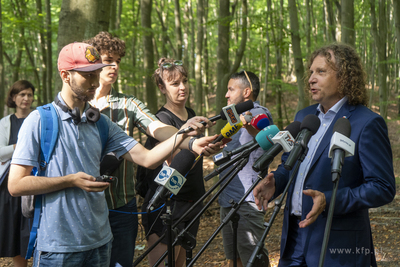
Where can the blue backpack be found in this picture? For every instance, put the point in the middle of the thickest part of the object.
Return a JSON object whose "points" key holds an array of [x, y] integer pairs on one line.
{"points": [[48, 140]]}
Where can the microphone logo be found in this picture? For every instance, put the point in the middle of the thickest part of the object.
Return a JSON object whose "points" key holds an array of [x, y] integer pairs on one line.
{"points": [[232, 131], [289, 140], [231, 115], [175, 182], [164, 174]]}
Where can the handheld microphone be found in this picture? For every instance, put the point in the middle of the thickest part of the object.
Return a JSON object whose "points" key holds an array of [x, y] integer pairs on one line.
{"points": [[308, 128], [240, 108], [263, 139], [283, 140], [228, 131], [248, 118], [260, 121], [170, 179], [341, 146]]}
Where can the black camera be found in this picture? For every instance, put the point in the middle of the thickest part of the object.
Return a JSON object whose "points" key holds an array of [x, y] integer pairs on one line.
{"points": [[106, 178]]}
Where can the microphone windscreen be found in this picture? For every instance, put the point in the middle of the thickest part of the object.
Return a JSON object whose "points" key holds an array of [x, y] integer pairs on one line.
{"points": [[248, 118], [342, 126], [264, 137], [183, 161], [230, 130], [263, 123], [310, 122], [293, 128], [257, 119], [240, 108]]}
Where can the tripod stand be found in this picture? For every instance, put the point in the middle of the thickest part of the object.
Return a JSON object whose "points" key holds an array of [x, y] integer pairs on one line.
{"points": [[257, 255], [184, 233], [278, 203]]}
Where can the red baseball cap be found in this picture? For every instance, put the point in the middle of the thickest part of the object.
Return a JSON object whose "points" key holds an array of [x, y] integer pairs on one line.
{"points": [[80, 57]]}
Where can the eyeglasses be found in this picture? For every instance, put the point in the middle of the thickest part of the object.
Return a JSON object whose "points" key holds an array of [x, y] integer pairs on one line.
{"points": [[248, 79], [168, 65]]}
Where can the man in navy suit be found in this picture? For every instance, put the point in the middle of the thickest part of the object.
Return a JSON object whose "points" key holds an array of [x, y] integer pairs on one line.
{"points": [[336, 81]]}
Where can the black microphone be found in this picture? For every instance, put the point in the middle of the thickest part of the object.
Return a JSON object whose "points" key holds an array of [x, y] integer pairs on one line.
{"points": [[341, 146], [240, 108], [263, 139], [308, 128], [182, 163], [282, 141]]}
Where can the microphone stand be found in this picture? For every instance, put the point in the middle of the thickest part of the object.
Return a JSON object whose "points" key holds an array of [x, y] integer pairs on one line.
{"points": [[198, 202], [257, 254], [232, 173], [336, 173], [231, 213], [167, 220]]}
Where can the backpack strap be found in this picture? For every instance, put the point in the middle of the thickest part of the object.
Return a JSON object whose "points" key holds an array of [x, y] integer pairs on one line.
{"points": [[35, 225], [48, 140], [49, 133]]}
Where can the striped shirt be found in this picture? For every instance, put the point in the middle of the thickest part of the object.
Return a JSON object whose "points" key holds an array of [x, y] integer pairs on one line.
{"points": [[127, 111]]}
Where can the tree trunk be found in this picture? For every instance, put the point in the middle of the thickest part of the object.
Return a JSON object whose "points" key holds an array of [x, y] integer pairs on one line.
{"points": [[42, 40], [80, 20], [199, 54], [3, 90], [298, 58], [269, 23], [178, 30], [134, 52], [192, 43], [380, 42], [186, 60], [348, 33], [113, 15], [278, 92], [206, 80], [308, 27], [331, 22], [382, 67], [240, 52], [49, 59], [396, 13], [35, 72], [162, 16], [222, 57], [148, 51]]}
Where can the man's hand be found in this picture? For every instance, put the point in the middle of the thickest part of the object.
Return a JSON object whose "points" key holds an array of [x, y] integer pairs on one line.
{"points": [[317, 208], [204, 145], [247, 125], [264, 191], [197, 126], [87, 182]]}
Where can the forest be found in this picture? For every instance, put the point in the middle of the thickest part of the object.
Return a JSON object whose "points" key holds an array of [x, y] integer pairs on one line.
{"points": [[214, 39]]}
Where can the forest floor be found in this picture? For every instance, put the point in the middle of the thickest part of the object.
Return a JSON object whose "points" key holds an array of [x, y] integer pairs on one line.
{"points": [[385, 221]]}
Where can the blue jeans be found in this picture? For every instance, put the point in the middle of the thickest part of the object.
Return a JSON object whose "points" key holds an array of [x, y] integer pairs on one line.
{"points": [[98, 257], [124, 227]]}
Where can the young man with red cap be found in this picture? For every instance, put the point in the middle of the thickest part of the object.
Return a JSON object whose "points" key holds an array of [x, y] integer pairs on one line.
{"points": [[74, 229]]}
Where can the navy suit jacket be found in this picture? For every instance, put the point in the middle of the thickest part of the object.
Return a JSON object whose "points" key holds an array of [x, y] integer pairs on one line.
{"points": [[367, 181]]}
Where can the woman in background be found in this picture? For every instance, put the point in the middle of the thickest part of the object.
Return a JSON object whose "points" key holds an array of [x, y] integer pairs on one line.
{"points": [[171, 78], [14, 229]]}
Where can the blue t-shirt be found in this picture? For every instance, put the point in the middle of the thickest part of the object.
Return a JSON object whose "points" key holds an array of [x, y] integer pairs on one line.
{"points": [[72, 219], [246, 177]]}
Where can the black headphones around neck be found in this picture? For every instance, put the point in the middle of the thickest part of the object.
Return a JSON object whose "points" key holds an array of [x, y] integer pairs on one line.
{"points": [[92, 113]]}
